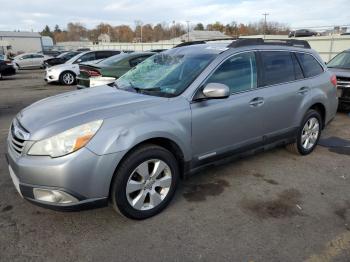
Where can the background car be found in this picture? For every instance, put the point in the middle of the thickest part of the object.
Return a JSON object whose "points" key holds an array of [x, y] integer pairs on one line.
{"points": [[66, 73], [30, 60], [108, 70], [340, 66], [52, 53], [6, 67], [61, 59], [302, 33]]}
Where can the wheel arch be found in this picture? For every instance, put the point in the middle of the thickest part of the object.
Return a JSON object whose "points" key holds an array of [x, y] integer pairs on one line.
{"points": [[68, 71], [164, 142], [321, 109]]}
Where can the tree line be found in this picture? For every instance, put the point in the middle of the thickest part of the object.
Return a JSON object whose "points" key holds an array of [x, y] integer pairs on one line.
{"points": [[158, 32]]}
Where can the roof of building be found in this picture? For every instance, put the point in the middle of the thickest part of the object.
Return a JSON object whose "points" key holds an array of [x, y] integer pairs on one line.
{"points": [[197, 35], [19, 34]]}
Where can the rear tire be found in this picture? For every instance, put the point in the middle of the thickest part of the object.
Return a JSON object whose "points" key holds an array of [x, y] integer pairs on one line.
{"points": [[308, 134], [145, 182]]}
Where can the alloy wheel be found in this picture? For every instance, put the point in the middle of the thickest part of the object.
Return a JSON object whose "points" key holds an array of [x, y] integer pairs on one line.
{"points": [[310, 133], [68, 78], [148, 184]]}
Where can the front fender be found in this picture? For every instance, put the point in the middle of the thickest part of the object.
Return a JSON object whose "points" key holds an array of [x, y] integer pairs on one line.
{"points": [[124, 132]]}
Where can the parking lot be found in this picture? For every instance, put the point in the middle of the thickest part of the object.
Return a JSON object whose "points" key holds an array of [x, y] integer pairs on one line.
{"points": [[274, 206]]}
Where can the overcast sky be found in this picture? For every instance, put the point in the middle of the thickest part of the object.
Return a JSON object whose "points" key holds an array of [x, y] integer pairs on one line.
{"points": [[35, 14]]}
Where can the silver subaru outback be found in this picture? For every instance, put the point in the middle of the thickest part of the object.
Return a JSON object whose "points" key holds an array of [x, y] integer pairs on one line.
{"points": [[129, 143]]}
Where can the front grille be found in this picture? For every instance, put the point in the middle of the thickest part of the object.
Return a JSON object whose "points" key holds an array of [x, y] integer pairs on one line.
{"points": [[17, 144], [343, 82], [18, 136]]}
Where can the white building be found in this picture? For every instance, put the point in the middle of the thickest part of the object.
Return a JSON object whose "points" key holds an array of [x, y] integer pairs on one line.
{"points": [[104, 38], [22, 42]]}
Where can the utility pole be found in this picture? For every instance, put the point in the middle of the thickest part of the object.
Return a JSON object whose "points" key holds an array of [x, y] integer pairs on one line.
{"points": [[265, 24], [174, 32], [188, 31]]}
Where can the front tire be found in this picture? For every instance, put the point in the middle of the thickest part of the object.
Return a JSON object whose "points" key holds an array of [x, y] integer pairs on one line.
{"points": [[145, 182], [308, 134], [67, 78]]}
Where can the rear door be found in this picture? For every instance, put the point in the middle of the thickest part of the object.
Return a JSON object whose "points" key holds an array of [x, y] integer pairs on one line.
{"points": [[37, 60], [285, 89], [26, 61]]}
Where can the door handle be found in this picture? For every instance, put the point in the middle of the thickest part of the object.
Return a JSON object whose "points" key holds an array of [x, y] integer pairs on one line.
{"points": [[304, 90], [257, 101]]}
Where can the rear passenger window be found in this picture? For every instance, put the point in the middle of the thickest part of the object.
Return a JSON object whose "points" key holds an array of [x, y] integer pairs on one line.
{"points": [[297, 69], [237, 72], [310, 65], [277, 67]]}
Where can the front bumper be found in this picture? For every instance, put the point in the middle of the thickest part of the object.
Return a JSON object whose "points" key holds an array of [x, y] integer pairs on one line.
{"points": [[82, 175], [51, 77]]}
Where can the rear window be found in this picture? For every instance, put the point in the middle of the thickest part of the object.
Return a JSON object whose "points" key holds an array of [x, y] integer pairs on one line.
{"points": [[311, 66], [277, 68]]}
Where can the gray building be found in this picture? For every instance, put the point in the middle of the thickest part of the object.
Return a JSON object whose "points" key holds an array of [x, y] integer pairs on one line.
{"points": [[20, 42], [198, 35]]}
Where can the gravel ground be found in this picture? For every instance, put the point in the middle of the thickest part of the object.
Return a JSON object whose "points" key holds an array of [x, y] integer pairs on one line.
{"points": [[274, 206]]}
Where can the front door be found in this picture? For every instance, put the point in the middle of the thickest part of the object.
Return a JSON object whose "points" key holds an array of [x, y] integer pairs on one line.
{"points": [[223, 125]]}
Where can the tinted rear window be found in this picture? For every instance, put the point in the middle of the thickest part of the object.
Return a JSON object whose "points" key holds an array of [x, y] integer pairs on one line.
{"points": [[277, 67], [310, 65], [297, 69]]}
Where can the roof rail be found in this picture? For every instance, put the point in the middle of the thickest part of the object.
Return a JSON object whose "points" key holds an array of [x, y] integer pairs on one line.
{"points": [[190, 43], [259, 41], [198, 42]]}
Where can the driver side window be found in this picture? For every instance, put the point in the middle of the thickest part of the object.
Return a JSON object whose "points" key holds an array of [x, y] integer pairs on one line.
{"points": [[85, 58], [237, 72]]}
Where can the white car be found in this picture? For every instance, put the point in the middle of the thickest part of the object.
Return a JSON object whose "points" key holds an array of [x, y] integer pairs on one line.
{"points": [[66, 73], [30, 60]]}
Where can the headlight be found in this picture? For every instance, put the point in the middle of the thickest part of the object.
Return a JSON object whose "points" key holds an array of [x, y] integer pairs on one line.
{"points": [[67, 141]]}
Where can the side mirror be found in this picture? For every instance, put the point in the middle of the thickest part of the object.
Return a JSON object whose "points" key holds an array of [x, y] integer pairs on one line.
{"points": [[78, 61], [216, 90]]}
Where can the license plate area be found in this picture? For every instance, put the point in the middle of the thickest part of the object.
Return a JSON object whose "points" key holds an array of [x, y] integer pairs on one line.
{"points": [[339, 92]]}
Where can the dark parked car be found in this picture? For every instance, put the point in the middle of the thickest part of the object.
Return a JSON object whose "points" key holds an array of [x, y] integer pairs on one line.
{"points": [[51, 53], [6, 67], [108, 70], [302, 33], [61, 59], [340, 66]]}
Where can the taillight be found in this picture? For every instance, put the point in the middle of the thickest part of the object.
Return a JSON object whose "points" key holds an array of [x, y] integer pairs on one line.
{"points": [[8, 62], [334, 80], [93, 73]]}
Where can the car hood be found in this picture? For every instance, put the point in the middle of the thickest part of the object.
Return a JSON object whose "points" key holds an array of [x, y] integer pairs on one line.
{"points": [[59, 113], [340, 72], [65, 66]]}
